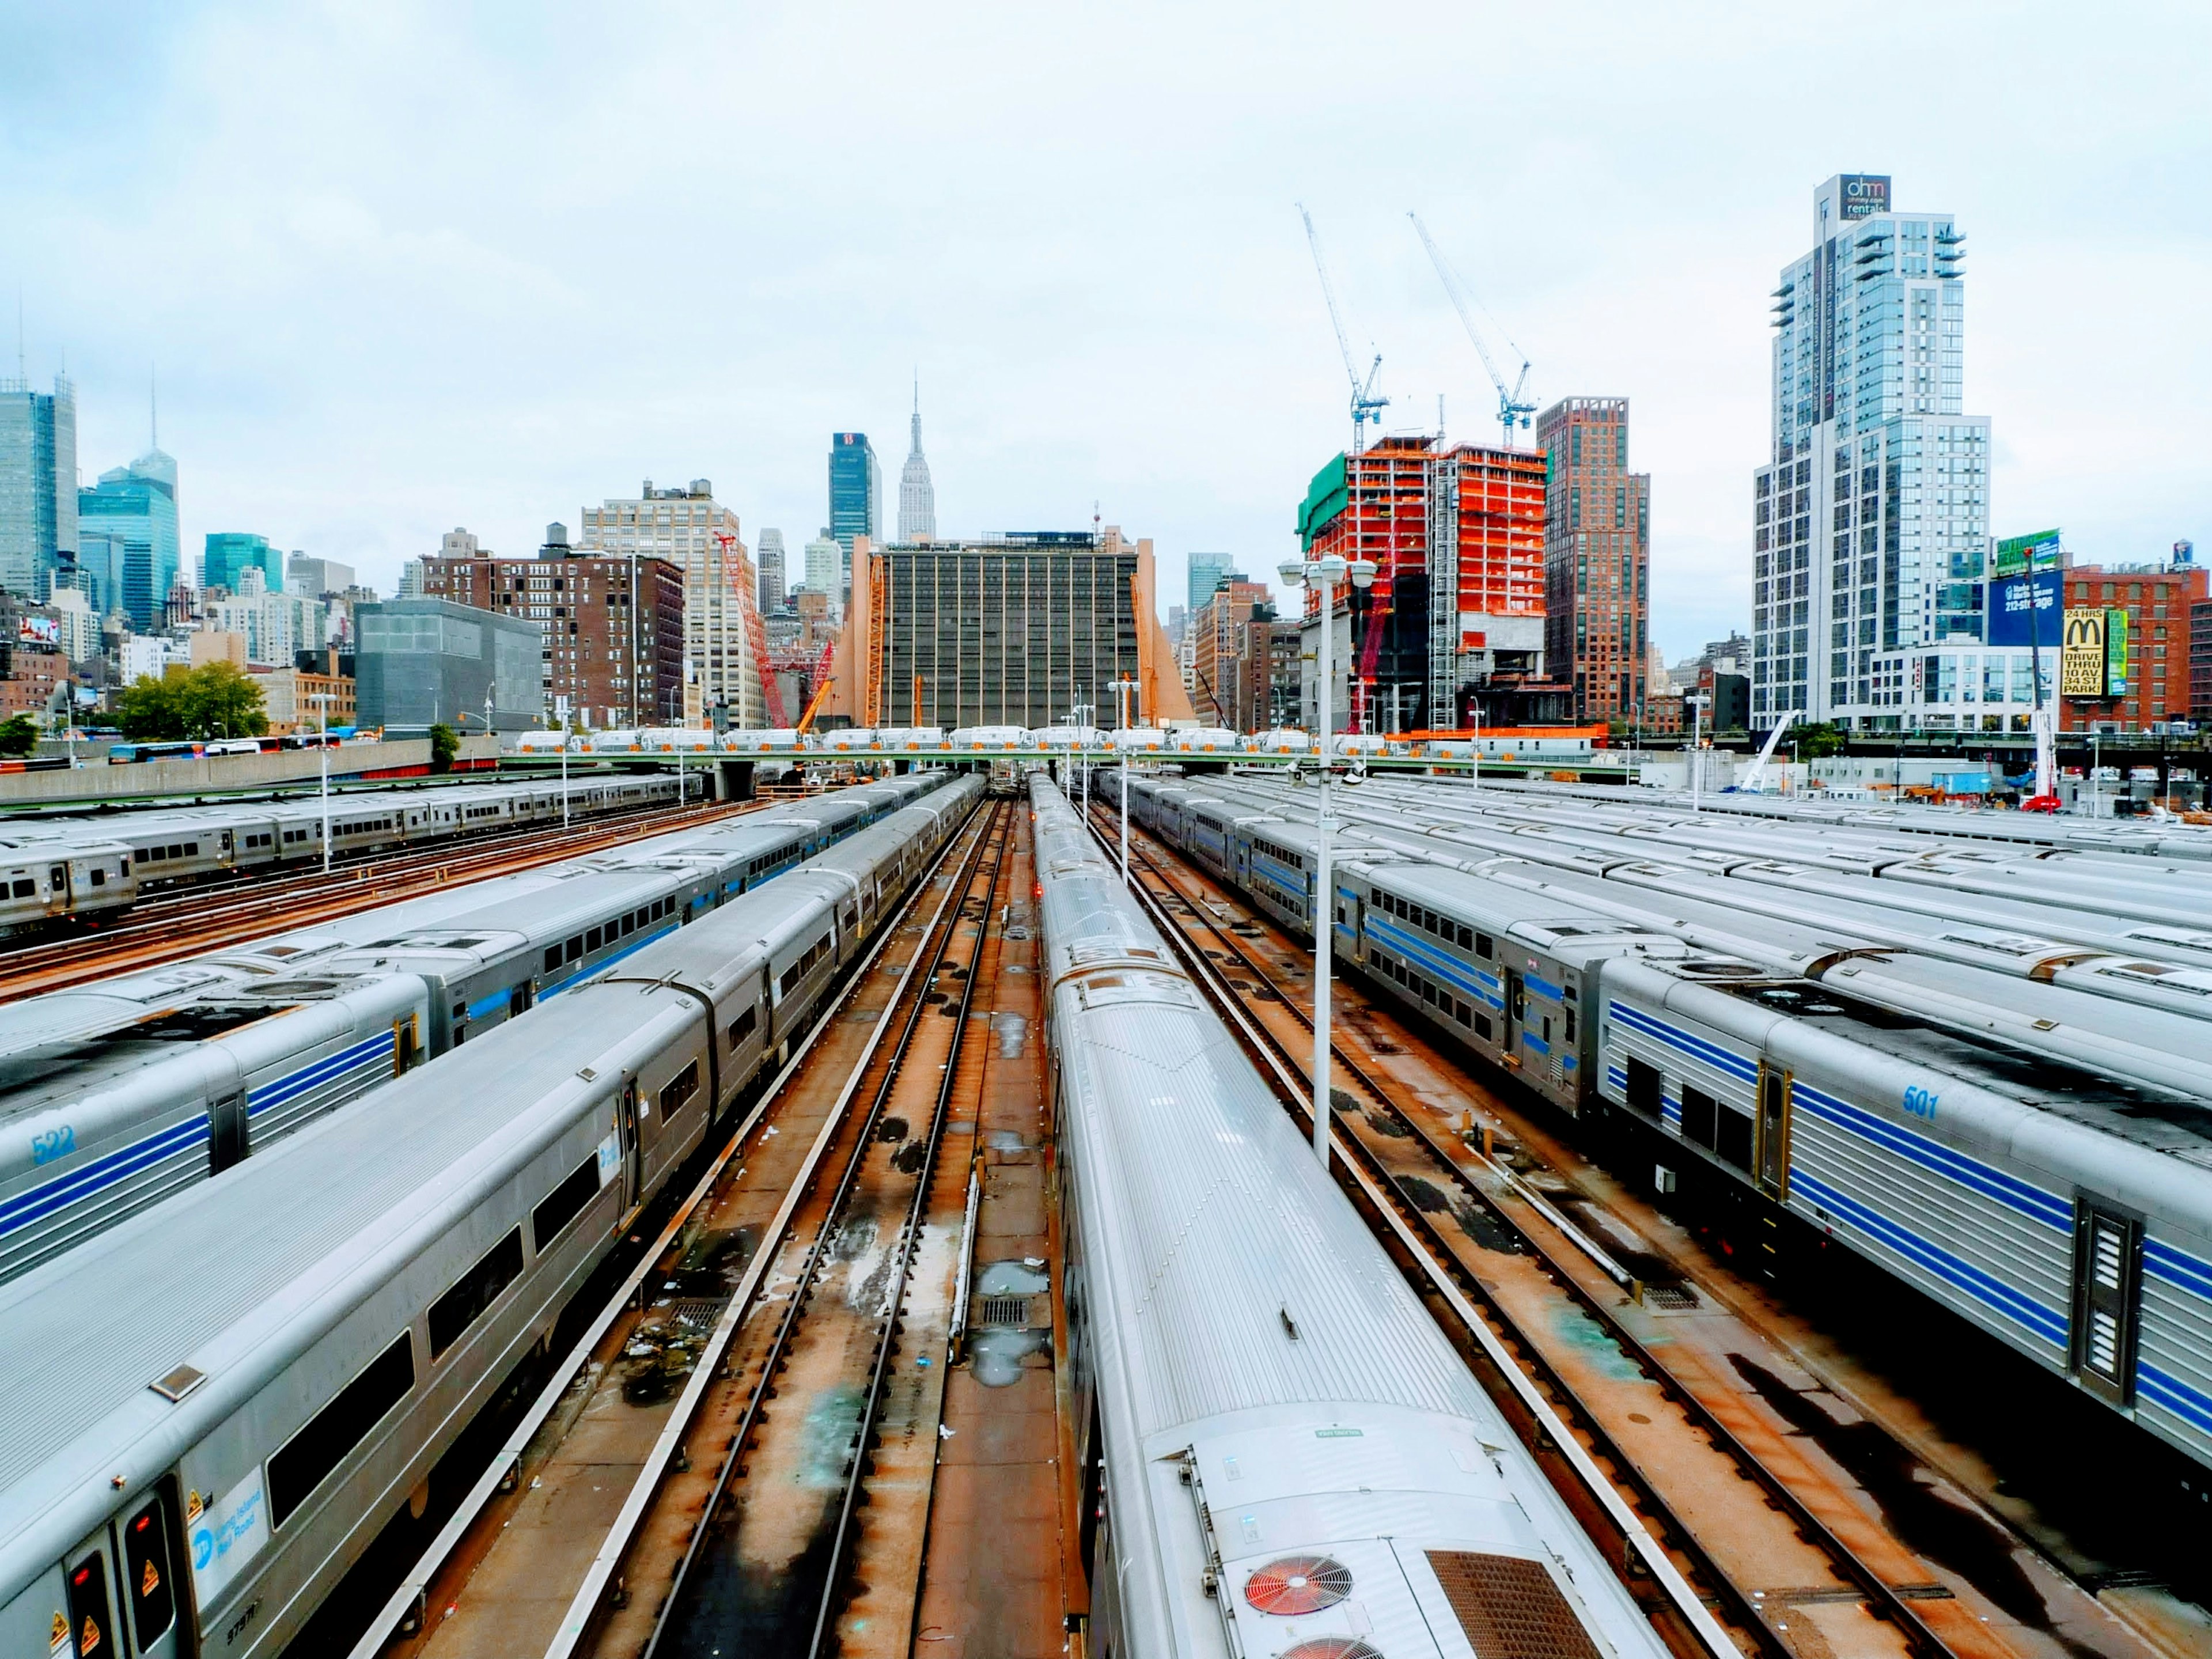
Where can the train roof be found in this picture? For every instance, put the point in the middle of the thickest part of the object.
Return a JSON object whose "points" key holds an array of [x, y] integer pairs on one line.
{"points": [[2162, 1120], [239, 1274]]}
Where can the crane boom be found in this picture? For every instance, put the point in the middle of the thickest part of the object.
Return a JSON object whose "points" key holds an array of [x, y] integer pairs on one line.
{"points": [[1514, 406], [1365, 404]]}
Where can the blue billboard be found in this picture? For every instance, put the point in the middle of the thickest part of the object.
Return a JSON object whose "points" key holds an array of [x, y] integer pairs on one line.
{"points": [[2009, 611]]}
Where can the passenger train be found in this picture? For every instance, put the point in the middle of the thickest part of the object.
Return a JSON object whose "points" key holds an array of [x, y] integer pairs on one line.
{"points": [[117, 1094], [1282, 1453], [2031, 1155], [91, 869], [188, 1474]]}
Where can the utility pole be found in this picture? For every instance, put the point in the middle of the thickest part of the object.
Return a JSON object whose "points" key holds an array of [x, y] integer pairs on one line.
{"points": [[322, 699]]}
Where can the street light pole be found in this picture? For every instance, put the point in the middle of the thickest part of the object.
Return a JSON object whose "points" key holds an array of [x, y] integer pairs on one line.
{"points": [[1321, 576], [1121, 689], [322, 701], [1697, 701]]}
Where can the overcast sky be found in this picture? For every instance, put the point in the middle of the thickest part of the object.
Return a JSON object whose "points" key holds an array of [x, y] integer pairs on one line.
{"points": [[402, 266]]}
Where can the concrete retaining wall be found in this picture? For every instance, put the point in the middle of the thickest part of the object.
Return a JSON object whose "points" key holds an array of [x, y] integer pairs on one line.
{"points": [[230, 774]]}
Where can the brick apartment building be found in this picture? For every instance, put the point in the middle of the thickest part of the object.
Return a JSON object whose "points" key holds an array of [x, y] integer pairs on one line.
{"points": [[613, 624], [1597, 557], [2163, 609], [1217, 641]]}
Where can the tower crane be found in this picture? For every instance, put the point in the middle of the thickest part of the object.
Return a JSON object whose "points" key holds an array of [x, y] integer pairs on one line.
{"points": [[1513, 407], [1366, 405]]}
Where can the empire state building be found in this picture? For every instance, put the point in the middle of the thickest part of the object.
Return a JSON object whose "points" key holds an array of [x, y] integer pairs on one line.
{"points": [[917, 513]]}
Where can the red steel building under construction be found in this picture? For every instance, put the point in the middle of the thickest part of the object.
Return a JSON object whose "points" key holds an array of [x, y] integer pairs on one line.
{"points": [[1454, 624]]}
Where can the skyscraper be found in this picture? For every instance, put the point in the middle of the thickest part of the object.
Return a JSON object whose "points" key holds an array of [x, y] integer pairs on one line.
{"points": [[771, 570], [700, 537], [1598, 556], [856, 489], [824, 561], [231, 553], [38, 484], [917, 496], [137, 505], [1205, 571], [1871, 519]]}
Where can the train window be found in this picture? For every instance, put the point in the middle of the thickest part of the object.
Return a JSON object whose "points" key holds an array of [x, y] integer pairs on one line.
{"points": [[1466, 939], [593, 937], [1644, 1088], [176, 850], [460, 1307], [1571, 1025], [552, 958], [146, 1570], [98, 877], [89, 1619], [1482, 1026], [575, 948], [307, 1459], [680, 1089], [1733, 1142], [1700, 1113], [24, 888], [191, 849], [742, 1026], [1483, 947], [59, 878], [564, 1203]]}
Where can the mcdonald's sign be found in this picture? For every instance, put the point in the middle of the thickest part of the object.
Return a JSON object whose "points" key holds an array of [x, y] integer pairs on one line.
{"points": [[2081, 654]]}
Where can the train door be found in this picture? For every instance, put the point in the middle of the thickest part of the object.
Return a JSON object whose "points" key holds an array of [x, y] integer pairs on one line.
{"points": [[2107, 1298], [406, 1044], [1516, 1011], [122, 1586], [1771, 1155], [225, 1130], [632, 1150], [57, 882]]}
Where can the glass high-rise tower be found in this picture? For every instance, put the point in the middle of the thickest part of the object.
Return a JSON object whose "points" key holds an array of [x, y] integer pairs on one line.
{"points": [[1871, 517], [856, 490], [38, 484], [136, 506]]}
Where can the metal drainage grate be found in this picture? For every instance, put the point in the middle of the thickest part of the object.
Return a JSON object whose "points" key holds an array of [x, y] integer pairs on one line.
{"points": [[1679, 1298], [1003, 1310]]}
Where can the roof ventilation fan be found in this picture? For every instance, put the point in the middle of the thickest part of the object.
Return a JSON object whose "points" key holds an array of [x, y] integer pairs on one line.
{"points": [[1294, 1585], [1331, 1647]]}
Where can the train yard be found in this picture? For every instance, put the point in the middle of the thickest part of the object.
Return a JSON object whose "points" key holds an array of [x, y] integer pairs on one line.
{"points": [[860, 1225]]}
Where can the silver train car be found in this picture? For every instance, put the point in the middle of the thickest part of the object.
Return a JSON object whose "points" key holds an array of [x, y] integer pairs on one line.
{"points": [[1281, 1452], [2029, 1155], [193, 1471], [114, 1095], [90, 869]]}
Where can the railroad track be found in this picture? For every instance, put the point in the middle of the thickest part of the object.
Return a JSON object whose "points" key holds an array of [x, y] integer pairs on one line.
{"points": [[1417, 1190], [621, 1487], [202, 918]]}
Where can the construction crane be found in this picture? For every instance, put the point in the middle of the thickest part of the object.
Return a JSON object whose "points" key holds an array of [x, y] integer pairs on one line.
{"points": [[1366, 405], [1513, 407]]}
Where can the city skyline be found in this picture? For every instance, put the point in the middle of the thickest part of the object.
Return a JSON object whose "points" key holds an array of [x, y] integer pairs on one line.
{"points": [[394, 361]]}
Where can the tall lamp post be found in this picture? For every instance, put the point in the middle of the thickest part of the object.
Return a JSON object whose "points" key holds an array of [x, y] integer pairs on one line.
{"points": [[1121, 689], [322, 700], [1697, 699], [1321, 576]]}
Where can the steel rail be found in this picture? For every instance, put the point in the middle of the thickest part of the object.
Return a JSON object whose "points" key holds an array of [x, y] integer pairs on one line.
{"points": [[872, 1402], [584, 1606], [1883, 1596], [407, 1601]]}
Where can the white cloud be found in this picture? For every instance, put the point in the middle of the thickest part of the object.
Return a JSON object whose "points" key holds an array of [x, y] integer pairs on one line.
{"points": [[403, 267]]}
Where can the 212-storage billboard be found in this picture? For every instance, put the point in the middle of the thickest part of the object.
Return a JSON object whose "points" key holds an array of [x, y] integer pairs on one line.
{"points": [[2011, 620]]}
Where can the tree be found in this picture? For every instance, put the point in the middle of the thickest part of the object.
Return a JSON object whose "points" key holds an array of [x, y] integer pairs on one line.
{"points": [[445, 743], [215, 701], [1819, 741], [221, 701], [19, 737], [149, 709]]}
